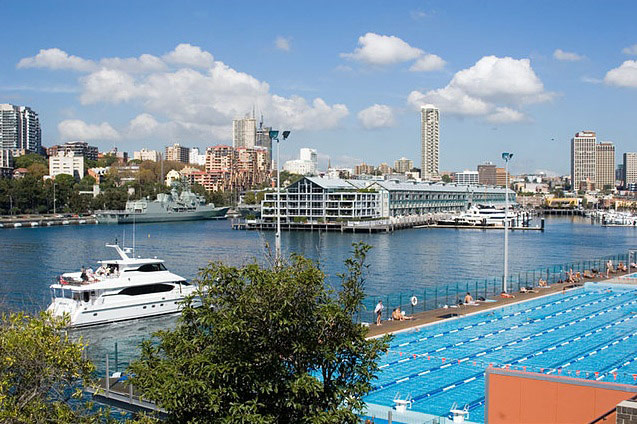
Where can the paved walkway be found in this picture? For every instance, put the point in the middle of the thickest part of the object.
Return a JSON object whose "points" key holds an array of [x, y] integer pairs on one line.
{"points": [[435, 315]]}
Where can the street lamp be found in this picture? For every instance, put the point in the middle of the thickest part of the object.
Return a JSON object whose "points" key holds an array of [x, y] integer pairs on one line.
{"points": [[507, 157], [274, 135]]}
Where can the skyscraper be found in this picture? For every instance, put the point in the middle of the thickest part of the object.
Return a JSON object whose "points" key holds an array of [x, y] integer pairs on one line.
{"points": [[605, 165], [244, 132], [630, 168], [583, 158], [430, 142], [263, 140], [20, 129]]}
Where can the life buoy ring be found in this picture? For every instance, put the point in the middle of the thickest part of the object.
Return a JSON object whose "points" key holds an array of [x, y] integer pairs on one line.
{"points": [[414, 301]]}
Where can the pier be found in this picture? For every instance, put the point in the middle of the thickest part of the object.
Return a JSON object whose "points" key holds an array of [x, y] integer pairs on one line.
{"points": [[376, 226], [32, 221]]}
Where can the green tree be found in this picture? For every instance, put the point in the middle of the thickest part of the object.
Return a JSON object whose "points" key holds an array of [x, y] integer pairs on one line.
{"points": [[267, 346], [42, 372], [446, 179], [38, 170], [25, 161]]}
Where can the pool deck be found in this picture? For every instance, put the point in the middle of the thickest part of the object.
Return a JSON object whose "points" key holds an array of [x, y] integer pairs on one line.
{"points": [[435, 315]]}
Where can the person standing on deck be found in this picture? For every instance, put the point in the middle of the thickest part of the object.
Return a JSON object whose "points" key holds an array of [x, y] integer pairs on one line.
{"points": [[379, 311]]}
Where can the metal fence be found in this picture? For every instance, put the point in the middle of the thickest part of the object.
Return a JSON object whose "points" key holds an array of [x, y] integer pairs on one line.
{"points": [[438, 296]]}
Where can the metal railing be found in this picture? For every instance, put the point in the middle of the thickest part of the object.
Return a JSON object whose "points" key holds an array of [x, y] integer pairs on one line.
{"points": [[434, 297]]}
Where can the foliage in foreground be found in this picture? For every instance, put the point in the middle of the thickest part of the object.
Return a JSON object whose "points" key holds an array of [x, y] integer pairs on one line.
{"points": [[42, 373], [267, 346]]}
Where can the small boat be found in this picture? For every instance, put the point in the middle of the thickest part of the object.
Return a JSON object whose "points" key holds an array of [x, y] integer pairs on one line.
{"points": [[121, 289]]}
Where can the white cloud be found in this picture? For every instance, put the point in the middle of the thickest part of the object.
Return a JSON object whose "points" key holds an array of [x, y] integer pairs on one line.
{"points": [[631, 50], [143, 63], [57, 59], [107, 85], [376, 49], [428, 62], [377, 116], [184, 93], [623, 76], [282, 43], [560, 54], [487, 89], [75, 129], [505, 115], [187, 54]]}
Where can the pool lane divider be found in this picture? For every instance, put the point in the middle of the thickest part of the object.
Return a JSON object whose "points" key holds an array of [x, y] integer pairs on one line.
{"points": [[518, 360], [562, 343], [559, 368], [409, 356], [536, 308]]}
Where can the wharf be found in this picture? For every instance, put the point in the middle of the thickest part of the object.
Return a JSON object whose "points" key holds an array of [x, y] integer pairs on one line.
{"points": [[374, 226], [484, 227], [30, 221], [118, 394], [440, 314]]}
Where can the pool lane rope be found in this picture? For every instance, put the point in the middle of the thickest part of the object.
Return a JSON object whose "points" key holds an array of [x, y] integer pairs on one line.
{"points": [[444, 365], [526, 311]]}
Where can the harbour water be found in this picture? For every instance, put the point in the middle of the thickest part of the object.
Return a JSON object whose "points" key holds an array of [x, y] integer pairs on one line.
{"points": [[399, 262]]}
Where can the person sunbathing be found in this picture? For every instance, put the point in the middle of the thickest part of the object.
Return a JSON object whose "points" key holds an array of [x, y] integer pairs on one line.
{"points": [[506, 295], [621, 267], [395, 315], [402, 314], [468, 299], [542, 282], [527, 290]]}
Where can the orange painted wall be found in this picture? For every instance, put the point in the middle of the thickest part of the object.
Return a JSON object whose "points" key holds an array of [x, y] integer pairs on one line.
{"points": [[519, 397]]}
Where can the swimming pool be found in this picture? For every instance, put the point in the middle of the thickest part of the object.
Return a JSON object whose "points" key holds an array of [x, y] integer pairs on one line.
{"points": [[632, 276], [590, 332]]}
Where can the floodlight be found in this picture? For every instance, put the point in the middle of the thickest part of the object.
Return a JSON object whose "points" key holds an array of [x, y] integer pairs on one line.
{"points": [[274, 134], [286, 134]]}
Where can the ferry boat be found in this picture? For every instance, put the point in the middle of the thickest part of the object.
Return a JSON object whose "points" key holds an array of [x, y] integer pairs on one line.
{"points": [[121, 289], [175, 206]]}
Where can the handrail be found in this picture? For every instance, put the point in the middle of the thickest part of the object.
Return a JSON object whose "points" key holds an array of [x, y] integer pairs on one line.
{"points": [[609, 412]]}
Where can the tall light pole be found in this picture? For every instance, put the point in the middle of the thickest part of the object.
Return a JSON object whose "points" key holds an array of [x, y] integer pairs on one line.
{"points": [[274, 135], [506, 157]]}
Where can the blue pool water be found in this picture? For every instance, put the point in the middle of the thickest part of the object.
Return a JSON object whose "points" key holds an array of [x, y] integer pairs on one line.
{"points": [[578, 333]]}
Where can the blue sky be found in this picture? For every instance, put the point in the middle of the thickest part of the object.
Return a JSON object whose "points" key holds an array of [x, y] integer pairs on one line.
{"points": [[346, 77]]}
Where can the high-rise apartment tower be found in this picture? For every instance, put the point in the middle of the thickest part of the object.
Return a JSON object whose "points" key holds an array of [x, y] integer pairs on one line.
{"points": [[20, 129], [430, 142], [244, 132], [630, 168], [583, 158]]}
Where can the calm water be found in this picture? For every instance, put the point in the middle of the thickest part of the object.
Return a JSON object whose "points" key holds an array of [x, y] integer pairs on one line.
{"points": [[400, 262]]}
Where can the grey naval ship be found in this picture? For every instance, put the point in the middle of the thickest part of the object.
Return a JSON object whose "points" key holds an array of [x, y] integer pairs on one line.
{"points": [[175, 206]]}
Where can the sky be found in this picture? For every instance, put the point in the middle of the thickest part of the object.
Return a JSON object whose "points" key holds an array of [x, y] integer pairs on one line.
{"points": [[346, 77]]}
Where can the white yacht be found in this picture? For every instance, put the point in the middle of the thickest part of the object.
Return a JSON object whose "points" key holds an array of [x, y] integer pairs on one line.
{"points": [[481, 215], [121, 289]]}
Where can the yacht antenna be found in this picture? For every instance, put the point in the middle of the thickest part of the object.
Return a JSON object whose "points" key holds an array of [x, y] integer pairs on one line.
{"points": [[133, 234]]}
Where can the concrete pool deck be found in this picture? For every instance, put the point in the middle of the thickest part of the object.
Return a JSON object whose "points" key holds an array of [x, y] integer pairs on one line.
{"points": [[436, 315]]}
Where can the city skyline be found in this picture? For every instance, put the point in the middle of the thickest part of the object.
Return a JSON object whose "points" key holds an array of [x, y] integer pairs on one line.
{"points": [[353, 94]]}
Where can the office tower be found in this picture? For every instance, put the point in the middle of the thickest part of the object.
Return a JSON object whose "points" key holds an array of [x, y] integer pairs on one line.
{"points": [[145, 154], [430, 142], [605, 165], [20, 129], [619, 173], [178, 153], [487, 174], [467, 177], [263, 140], [630, 168], [79, 148], [501, 177], [403, 165], [583, 158], [244, 132]]}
